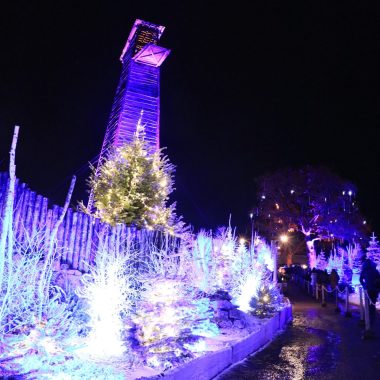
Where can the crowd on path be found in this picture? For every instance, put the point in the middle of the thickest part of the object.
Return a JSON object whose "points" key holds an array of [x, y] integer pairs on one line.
{"points": [[369, 280], [314, 276]]}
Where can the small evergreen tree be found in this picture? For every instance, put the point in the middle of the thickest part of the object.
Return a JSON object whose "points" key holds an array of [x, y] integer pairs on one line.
{"points": [[267, 300], [373, 251], [170, 323], [321, 261], [133, 186], [356, 257]]}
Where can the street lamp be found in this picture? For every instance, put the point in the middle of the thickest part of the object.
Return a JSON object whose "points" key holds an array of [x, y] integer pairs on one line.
{"points": [[251, 216], [284, 238]]}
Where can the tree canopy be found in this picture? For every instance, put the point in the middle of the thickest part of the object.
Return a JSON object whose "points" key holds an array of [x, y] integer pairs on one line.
{"points": [[311, 200]]}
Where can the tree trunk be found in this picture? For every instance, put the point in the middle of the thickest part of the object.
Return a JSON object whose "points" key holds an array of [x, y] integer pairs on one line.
{"points": [[311, 253]]}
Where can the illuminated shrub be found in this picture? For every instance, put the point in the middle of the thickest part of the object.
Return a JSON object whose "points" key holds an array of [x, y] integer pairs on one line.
{"points": [[170, 322], [266, 301], [110, 289]]}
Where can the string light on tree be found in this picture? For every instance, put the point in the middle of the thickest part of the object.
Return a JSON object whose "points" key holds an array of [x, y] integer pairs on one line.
{"points": [[133, 186]]}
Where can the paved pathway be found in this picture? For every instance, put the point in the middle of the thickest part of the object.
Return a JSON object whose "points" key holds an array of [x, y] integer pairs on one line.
{"points": [[320, 344]]}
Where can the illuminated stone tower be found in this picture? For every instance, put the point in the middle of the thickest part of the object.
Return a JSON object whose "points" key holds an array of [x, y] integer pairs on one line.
{"points": [[138, 90]]}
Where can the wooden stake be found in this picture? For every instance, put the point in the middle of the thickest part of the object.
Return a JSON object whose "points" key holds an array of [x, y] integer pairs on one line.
{"points": [[6, 228]]}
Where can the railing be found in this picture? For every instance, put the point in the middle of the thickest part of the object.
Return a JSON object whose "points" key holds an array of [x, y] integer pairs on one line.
{"points": [[319, 292]]}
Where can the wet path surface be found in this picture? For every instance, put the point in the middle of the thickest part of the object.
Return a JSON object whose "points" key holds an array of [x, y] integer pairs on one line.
{"points": [[320, 344]]}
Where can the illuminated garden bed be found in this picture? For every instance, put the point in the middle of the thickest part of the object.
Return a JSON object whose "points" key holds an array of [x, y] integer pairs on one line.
{"points": [[223, 351], [199, 306]]}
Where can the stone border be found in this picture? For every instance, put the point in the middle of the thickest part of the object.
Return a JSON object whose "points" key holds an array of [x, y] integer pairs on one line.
{"points": [[212, 364]]}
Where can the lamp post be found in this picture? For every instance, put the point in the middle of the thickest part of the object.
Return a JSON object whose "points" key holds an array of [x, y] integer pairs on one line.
{"points": [[273, 248], [284, 239], [251, 216]]}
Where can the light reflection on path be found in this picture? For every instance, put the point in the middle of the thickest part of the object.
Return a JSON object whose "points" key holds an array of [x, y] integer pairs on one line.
{"points": [[309, 349]]}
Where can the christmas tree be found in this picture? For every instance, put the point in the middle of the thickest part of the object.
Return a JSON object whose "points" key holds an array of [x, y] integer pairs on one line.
{"points": [[321, 261], [171, 323], [266, 301], [224, 254], [133, 186], [356, 257], [373, 251]]}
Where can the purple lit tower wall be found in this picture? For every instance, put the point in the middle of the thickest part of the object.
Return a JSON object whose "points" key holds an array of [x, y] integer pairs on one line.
{"points": [[138, 90]]}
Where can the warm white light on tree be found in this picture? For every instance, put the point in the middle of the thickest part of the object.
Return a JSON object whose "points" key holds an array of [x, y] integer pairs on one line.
{"points": [[132, 186]]}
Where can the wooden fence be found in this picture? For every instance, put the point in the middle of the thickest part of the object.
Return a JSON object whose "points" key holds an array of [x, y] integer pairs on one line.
{"points": [[80, 236]]}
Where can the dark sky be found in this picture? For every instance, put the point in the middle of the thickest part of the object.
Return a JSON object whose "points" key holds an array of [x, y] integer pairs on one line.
{"points": [[244, 91]]}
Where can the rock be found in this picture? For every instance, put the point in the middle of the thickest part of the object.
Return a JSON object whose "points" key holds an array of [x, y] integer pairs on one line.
{"points": [[74, 272], [56, 266], [220, 295], [221, 314], [225, 324], [238, 323], [67, 278], [75, 281], [224, 305], [235, 314]]}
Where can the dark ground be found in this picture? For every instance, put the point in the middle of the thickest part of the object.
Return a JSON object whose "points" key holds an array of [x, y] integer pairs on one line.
{"points": [[320, 344]]}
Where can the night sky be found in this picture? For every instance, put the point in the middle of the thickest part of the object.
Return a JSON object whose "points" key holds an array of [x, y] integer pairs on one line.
{"points": [[243, 92]]}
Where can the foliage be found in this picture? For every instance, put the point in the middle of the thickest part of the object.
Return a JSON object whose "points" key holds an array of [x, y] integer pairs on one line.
{"points": [[171, 315], [170, 320], [321, 261], [252, 272], [110, 289], [44, 360], [135, 307], [219, 262], [312, 200], [336, 261], [266, 301], [35, 342], [356, 257], [203, 266], [264, 254], [373, 251], [215, 259], [224, 255], [132, 186], [247, 283], [20, 308]]}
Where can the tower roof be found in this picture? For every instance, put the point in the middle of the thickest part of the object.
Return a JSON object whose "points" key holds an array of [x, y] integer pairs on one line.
{"points": [[160, 29]]}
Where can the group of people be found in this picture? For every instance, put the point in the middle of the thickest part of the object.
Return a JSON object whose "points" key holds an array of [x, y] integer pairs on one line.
{"points": [[322, 277], [369, 279]]}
